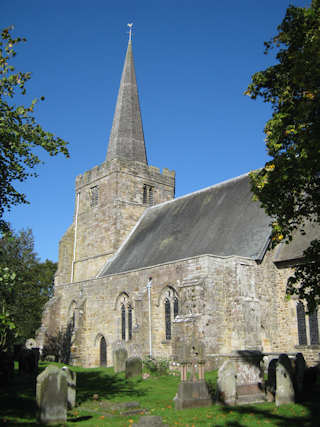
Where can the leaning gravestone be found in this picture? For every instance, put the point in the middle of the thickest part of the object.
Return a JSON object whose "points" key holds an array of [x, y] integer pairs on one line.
{"points": [[52, 396], [120, 357], [133, 367], [226, 387], [284, 381], [271, 382], [72, 381]]}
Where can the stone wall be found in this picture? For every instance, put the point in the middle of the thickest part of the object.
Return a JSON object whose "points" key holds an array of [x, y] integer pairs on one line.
{"points": [[108, 204]]}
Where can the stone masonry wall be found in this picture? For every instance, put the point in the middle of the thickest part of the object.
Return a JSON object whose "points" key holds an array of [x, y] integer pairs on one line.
{"points": [[101, 225]]}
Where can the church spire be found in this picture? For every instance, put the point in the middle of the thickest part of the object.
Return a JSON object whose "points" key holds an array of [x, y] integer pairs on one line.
{"points": [[126, 138]]}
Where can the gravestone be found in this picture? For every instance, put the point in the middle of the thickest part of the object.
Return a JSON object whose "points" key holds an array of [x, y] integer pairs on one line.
{"points": [[192, 392], [150, 420], [271, 382], [300, 367], [28, 360], [133, 367], [227, 381], [284, 381], [72, 381], [120, 357], [52, 396]]}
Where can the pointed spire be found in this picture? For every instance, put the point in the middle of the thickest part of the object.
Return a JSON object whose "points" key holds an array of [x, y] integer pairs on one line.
{"points": [[126, 138]]}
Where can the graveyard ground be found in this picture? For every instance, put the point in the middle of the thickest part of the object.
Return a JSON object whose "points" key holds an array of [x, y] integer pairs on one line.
{"points": [[108, 399]]}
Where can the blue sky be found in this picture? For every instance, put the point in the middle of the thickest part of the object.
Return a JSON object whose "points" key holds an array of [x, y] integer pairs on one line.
{"points": [[193, 62]]}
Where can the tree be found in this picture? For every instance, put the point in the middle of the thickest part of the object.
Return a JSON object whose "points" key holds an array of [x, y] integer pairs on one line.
{"points": [[20, 133], [25, 295], [288, 186], [7, 325]]}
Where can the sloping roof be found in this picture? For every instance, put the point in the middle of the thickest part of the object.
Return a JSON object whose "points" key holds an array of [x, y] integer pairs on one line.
{"points": [[220, 220], [126, 137], [294, 250]]}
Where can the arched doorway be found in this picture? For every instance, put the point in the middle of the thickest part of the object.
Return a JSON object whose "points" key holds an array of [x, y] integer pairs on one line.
{"points": [[103, 352]]}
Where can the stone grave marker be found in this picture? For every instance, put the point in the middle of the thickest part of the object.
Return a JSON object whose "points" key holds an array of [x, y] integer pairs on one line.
{"points": [[150, 420], [271, 382], [120, 356], [133, 367], [226, 386], [300, 367], [72, 381], [52, 396], [284, 381]]}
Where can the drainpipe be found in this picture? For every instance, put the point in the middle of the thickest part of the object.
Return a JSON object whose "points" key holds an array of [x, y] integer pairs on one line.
{"points": [[149, 303], [75, 238]]}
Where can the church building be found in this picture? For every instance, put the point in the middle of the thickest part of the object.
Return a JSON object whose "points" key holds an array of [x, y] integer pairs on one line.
{"points": [[141, 270]]}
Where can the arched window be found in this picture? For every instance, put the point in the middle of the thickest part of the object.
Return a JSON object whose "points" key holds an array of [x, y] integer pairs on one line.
{"points": [[301, 319], [167, 314], [150, 196], [129, 322], [175, 307], [145, 194], [123, 322], [103, 352], [313, 327]]}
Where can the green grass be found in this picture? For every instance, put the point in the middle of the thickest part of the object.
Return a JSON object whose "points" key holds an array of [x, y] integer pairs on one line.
{"points": [[154, 396]]}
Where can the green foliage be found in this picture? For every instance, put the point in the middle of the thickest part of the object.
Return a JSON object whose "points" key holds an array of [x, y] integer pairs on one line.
{"points": [[288, 186], [20, 133], [156, 366], [28, 283], [7, 325]]}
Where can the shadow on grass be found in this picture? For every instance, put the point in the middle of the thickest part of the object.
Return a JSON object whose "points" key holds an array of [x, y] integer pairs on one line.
{"points": [[307, 414], [18, 399], [105, 385]]}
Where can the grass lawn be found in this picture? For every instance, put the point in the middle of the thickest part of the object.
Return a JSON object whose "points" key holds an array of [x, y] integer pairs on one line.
{"points": [[121, 403]]}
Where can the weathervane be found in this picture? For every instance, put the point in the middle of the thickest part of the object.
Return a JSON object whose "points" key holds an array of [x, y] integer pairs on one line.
{"points": [[130, 31]]}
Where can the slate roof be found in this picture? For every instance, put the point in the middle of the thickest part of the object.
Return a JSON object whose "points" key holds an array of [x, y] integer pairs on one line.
{"points": [[294, 250], [126, 137], [220, 220]]}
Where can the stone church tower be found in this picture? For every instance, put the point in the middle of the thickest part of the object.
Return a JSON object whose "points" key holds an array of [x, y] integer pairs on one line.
{"points": [[111, 197]]}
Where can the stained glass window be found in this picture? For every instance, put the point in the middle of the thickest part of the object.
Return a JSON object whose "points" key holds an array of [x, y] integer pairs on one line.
{"points": [[301, 319], [167, 318], [129, 322], [123, 322]]}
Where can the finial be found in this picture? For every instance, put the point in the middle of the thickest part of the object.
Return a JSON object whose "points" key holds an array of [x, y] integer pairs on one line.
{"points": [[130, 31]]}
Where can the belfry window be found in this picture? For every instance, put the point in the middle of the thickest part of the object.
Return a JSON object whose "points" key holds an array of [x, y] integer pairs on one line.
{"points": [[147, 195], [94, 196]]}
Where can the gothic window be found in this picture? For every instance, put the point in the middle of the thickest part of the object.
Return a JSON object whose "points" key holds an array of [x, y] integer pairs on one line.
{"points": [[150, 196], [103, 352], [147, 196], [123, 322], [94, 196], [167, 314], [301, 319], [129, 322], [175, 307], [313, 328], [169, 303]]}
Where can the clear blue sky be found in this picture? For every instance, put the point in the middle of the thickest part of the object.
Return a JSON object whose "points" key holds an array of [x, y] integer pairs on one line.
{"points": [[193, 59]]}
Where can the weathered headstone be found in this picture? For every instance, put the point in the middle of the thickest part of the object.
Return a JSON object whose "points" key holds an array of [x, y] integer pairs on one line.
{"points": [[300, 367], [120, 356], [150, 420], [52, 396], [28, 360], [284, 381], [226, 387], [133, 367], [271, 382], [72, 381]]}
